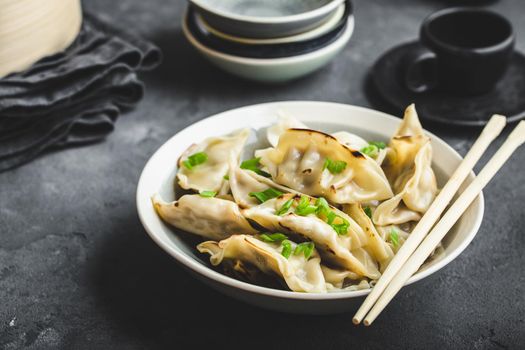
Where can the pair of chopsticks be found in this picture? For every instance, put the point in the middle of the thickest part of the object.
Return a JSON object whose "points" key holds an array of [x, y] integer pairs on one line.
{"points": [[421, 243]]}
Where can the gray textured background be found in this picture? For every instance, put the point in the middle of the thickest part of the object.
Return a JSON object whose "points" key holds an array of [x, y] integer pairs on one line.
{"points": [[77, 270]]}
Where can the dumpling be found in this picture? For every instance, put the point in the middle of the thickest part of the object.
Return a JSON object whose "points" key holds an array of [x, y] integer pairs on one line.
{"points": [[284, 123], [394, 212], [302, 161], [344, 249], [387, 234], [212, 218], [350, 140], [243, 182], [409, 170], [377, 247], [202, 166], [301, 274], [336, 279]]}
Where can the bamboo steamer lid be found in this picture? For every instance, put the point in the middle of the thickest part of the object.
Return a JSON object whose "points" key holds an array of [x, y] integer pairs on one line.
{"points": [[33, 29]]}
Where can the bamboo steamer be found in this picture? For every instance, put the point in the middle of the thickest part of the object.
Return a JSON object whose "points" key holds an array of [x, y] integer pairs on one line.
{"points": [[33, 29]]}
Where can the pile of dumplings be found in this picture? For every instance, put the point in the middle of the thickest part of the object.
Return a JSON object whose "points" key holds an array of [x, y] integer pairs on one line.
{"points": [[317, 212]]}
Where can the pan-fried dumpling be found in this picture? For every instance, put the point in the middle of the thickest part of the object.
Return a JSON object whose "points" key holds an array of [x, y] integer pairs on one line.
{"points": [[337, 280], [345, 248], [317, 164], [202, 166], [409, 170], [300, 273], [284, 123], [243, 182], [377, 247], [394, 235], [394, 212], [213, 218], [350, 140]]}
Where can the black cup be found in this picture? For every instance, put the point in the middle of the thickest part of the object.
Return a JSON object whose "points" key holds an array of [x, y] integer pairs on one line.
{"points": [[465, 52]]}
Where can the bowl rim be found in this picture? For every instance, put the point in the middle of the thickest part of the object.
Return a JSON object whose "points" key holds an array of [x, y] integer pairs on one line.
{"points": [[341, 40], [322, 29], [299, 17], [215, 276], [264, 51]]}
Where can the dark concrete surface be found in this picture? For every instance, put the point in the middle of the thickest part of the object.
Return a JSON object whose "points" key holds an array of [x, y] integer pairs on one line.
{"points": [[77, 270]]}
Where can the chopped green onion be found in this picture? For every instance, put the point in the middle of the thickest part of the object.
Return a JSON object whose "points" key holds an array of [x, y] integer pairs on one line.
{"points": [[378, 144], [322, 206], [195, 159], [226, 177], [266, 194], [304, 207], [306, 248], [273, 237], [394, 237], [208, 194], [370, 150], [287, 248], [330, 217], [340, 228], [334, 166], [368, 211], [253, 165], [286, 206]]}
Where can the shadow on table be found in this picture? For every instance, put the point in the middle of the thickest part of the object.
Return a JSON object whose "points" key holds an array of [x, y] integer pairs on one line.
{"points": [[184, 68], [148, 297]]}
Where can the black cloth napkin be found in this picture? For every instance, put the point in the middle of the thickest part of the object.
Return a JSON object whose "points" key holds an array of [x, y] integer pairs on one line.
{"points": [[73, 97]]}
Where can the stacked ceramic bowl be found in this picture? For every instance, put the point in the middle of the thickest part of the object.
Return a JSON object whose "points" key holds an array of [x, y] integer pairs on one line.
{"points": [[269, 40]]}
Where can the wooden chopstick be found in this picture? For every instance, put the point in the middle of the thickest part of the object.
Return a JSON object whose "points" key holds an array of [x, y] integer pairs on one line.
{"points": [[489, 133], [515, 139]]}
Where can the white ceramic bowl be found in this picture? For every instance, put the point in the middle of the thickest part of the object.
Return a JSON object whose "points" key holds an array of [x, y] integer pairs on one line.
{"points": [[265, 18], [158, 177], [273, 70]]}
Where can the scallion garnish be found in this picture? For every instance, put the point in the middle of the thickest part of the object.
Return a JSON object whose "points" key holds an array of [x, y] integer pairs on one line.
{"points": [[266, 194], [322, 206], [394, 237], [273, 237], [287, 248], [368, 211], [306, 248], [253, 165], [372, 150], [304, 207], [226, 177], [334, 166], [338, 223], [378, 144], [208, 194], [286, 206], [195, 159]]}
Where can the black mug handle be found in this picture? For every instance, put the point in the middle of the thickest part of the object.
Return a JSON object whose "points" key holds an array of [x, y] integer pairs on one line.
{"points": [[419, 69]]}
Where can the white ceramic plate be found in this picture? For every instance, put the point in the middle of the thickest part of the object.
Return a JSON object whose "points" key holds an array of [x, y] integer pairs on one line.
{"points": [[159, 173], [273, 70]]}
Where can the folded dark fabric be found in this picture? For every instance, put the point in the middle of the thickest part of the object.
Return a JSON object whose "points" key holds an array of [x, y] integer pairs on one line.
{"points": [[73, 97]]}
